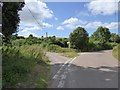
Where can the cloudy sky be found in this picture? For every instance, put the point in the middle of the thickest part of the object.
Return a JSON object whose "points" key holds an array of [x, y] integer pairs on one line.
{"points": [[61, 18]]}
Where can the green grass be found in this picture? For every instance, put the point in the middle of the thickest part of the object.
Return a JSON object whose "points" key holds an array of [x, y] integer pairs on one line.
{"points": [[116, 52], [69, 54], [42, 81], [23, 66]]}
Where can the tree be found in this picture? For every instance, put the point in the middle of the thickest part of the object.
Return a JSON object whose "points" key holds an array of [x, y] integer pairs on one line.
{"points": [[10, 18], [30, 36], [79, 38], [102, 34], [115, 38]]}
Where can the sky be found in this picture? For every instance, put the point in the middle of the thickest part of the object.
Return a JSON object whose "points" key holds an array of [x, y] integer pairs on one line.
{"points": [[61, 18]]}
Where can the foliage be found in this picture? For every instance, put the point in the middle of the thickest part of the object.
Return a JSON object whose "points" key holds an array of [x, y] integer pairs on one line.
{"points": [[79, 38], [19, 42], [116, 52], [102, 34], [58, 41], [18, 63], [53, 48], [115, 38], [10, 18], [97, 46]]}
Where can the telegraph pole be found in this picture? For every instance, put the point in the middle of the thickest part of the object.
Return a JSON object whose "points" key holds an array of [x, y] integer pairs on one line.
{"points": [[46, 36]]}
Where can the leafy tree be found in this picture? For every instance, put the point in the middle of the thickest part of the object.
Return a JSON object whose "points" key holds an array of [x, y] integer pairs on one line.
{"points": [[115, 38], [79, 38], [30, 36], [53, 39], [102, 34], [10, 18]]}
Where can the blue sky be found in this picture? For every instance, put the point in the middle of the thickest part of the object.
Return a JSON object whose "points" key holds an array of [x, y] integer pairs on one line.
{"points": [[61, 18]]}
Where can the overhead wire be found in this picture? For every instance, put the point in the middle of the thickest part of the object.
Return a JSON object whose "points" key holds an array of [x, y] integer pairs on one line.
{"points": [[36, 19]]}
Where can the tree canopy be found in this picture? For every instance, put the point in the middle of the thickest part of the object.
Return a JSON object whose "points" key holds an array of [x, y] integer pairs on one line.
{"points": [[79, 38], [10, 17], [115, 38], [102, 34]]}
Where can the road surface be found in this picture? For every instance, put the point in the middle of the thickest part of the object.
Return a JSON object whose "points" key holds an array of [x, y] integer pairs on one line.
{"points": [[89, 70]]}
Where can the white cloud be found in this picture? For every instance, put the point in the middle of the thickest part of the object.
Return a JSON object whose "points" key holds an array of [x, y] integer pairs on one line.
{"points": [[96, 24], [33, 15], [103, 7], [30, 29], [35, 12], [72, 22], [27, 33], [113, 25], [46, 25], [93, 25], [38, 9], [60, 28]]}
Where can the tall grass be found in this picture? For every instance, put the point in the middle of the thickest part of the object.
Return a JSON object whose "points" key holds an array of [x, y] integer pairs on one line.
{"points": [[116, 52], [18, 62], [67, 52]]}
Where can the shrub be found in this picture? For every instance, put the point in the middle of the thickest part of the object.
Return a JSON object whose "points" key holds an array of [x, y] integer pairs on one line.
{"points": [[44, 45], [53, 48], [19, 42], [97, 46]]}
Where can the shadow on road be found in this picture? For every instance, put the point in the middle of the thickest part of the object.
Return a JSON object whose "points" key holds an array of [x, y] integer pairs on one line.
{"points": [[83, 77]]}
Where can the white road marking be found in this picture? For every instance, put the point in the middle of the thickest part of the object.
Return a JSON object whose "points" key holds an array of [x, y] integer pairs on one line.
{"points": [[107, 79], [61, 84], [107, 70], [71, 61], [63, 76], [65, 72], [56, 75]]}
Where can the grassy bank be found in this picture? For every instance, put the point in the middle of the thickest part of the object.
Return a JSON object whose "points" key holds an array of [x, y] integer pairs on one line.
{"points": [[116, 52], [67, 52], [23, 67]]}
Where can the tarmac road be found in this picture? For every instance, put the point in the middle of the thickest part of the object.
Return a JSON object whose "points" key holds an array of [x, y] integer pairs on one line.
{"points": [[89, 70]]}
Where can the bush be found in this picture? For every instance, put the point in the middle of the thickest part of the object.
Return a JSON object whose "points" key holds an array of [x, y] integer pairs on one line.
{"points": [[18, 42], [44, 45], [97, 46], [53, 48], [112, 45]]}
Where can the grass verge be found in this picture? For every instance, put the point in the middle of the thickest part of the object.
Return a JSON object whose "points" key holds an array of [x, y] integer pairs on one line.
{"points": [[67, 52], [24, 67], [116, 52]]}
